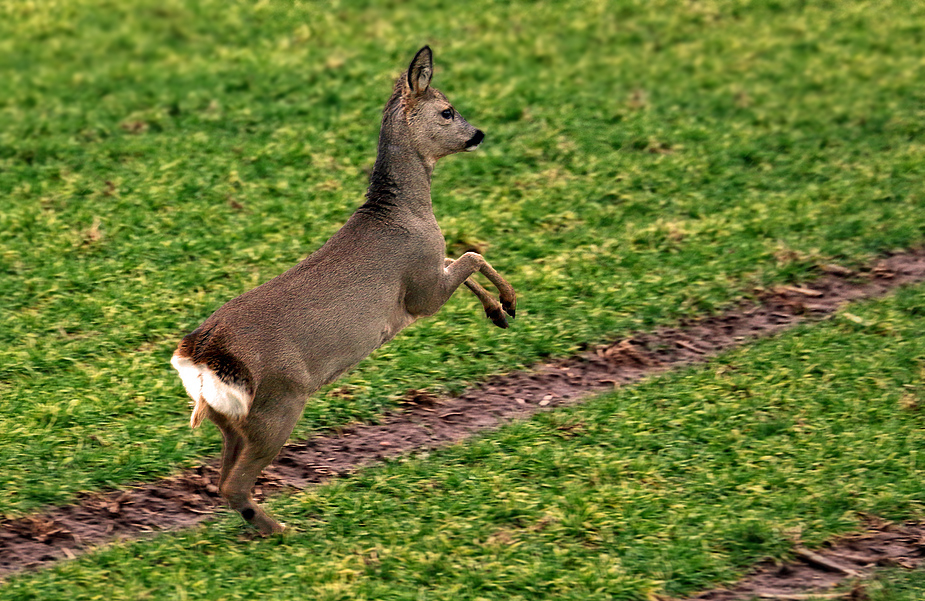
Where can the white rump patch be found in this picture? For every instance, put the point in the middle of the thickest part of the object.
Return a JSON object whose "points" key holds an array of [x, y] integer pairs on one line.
{"points": [[201, 383]]}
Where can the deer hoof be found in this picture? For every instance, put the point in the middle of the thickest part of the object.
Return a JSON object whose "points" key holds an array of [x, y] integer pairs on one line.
{"points": [[510, 307], [264, 524], [269, 527], [496, 316]]}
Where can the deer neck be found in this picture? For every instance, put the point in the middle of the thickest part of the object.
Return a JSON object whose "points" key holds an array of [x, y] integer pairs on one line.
{"points": [[400, 181]]}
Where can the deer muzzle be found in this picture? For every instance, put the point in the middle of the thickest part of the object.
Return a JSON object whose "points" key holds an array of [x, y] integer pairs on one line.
{"points": [[475, 140]]}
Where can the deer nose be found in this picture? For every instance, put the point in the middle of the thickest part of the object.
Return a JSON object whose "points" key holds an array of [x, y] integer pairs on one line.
{"points": [[475, 140]]}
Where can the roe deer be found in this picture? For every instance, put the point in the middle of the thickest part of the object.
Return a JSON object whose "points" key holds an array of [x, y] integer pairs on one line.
{"points": [[251, 366]]}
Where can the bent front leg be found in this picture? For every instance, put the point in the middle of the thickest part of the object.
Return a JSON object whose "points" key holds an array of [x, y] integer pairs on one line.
{"points": [[458, 271], [492, 307]]}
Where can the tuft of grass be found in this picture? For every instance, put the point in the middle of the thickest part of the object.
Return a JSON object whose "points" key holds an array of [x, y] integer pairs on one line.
{"points": [[671, 486], [896, 584], [644, 161]]}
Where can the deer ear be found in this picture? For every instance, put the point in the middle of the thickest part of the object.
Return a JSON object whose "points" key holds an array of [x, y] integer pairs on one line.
{"points": [[420, 71]]}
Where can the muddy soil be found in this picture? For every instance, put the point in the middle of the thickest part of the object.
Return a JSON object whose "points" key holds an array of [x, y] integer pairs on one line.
{"points": [[835, 571], [427, 421]]}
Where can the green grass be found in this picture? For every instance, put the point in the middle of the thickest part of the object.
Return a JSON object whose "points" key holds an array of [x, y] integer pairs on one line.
{"points": [[667, 487], [896, 585], [643, 161]]}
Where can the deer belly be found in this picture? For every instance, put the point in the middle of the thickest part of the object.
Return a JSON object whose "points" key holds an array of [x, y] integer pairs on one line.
{"points": [[354, 342]]}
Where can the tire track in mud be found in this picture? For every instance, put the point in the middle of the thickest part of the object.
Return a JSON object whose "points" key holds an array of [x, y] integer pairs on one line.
{"points": [[428, 421]]}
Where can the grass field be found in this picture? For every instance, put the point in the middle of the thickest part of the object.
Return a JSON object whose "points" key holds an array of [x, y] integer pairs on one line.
{"points": [[667, 487], [644, 161]]}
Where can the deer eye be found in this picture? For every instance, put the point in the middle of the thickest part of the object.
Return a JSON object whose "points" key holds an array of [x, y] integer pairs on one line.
{"points": [[447, 114]]}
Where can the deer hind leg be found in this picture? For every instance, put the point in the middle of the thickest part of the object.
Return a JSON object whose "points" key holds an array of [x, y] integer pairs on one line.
{"points": [[457, 272], [492, 307], [262, 435], [233, 442]]}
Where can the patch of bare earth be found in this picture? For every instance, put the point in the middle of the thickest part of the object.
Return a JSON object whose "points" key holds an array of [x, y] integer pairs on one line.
{"points": [[836, 571], [428, 421]]}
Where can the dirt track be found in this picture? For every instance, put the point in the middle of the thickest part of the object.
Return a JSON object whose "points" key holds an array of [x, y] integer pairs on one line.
{"points": [[427, 421], [848, 558]]}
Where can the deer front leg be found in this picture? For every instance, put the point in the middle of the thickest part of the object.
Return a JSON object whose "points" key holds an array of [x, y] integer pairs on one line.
{"points": [[492, 307], [458, 272]]}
